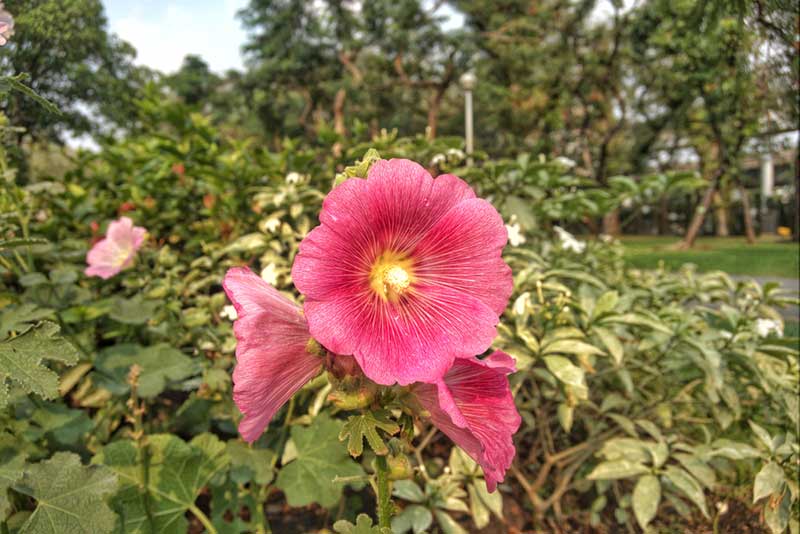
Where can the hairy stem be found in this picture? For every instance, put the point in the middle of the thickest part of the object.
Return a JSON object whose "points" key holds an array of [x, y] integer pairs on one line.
{"points": [[383, 490]]}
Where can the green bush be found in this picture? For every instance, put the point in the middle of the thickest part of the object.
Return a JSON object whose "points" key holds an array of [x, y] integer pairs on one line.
{"points": [[643, 394]]}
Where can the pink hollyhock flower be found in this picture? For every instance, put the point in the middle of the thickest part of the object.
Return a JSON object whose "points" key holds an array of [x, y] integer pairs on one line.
{"points": [[404, 272], [116, 251], [275, 354], [6, 25], [473, 405]]}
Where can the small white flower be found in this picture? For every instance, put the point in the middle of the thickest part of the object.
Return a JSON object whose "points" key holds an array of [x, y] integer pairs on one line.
{"points": [[293, 178], [627, 203], [229, 312], [515, 235], [438, 159], [521, 303], [272, 224], [455, 154], [565, 162], [568, 241], [764, 327], [270, 274]]}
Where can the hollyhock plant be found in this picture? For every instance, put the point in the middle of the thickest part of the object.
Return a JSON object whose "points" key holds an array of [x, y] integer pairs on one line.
{"points": [[275, 355], [472, 404], [117, 250], [404, 272]]}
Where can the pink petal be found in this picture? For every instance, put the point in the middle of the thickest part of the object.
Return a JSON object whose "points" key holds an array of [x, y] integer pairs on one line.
{"points": [[473, 405], [459, 288], [463, 252], [272, 355]]}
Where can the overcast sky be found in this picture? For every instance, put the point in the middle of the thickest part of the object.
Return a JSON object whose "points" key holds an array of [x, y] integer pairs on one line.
{"points": [[163, 32]]}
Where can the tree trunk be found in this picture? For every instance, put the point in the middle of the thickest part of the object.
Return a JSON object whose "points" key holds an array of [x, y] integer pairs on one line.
{"points": [[434, 104], [663, 215], [721, 212], [611, 223], [700, 213], [302, 120], [338, 119], [748, 217]]}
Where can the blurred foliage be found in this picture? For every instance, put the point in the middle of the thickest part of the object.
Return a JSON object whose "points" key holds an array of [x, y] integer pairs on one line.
{"points": [[644, 394]]}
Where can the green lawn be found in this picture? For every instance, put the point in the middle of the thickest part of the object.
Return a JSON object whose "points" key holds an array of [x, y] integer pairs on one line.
{"points": [[768, 257]]}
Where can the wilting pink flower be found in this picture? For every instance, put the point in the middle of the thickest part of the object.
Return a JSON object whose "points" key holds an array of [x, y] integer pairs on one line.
{"points": [[116, 251], [6, 25], [404, 272], [473, 405], [274, 354]]}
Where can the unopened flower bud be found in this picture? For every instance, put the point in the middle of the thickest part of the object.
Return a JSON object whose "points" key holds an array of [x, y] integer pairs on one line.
{"points": [[399, 467]]}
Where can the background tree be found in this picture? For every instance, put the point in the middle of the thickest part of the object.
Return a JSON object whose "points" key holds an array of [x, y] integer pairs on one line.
{"points": [[73, 61]]}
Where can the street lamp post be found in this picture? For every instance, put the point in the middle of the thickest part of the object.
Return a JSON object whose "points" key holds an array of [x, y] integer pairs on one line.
{"points": [[468, 81]]}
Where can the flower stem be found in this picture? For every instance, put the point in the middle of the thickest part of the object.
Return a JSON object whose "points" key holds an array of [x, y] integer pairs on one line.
{"points": [[203, 518], [384, 493]]}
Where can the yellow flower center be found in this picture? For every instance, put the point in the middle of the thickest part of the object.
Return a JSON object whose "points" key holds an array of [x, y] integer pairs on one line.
{"points": [[391, 276]]}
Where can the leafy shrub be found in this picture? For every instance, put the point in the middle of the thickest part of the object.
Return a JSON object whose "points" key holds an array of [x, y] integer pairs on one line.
{"points": [[642, 393]]}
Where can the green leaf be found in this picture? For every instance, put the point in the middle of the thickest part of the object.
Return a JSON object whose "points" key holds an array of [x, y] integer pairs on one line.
{"points": [[776, 514], [160, 365], [365, 426], [64, 426], [21, 360], [688, 486], [571, 346], [320, 459], [408, 491], [161, 482], [134, 310], [770, 479], [568, 373], [612, 343], [606, 303], [635, 319], [699, 469], [734, 450], [413, 518], [19, 318], [646, 496], [630, 449], [363, 526], [481, 503], [617, 469], [12, 464], [70, 497], [250, 464], [762, 434], [566, 416], [447, 523]]}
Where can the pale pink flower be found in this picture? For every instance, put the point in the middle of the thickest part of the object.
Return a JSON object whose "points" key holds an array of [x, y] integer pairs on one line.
{"points": [[404, 272], [6, 25], [275, 354], [473, 405], [117, 250]]}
